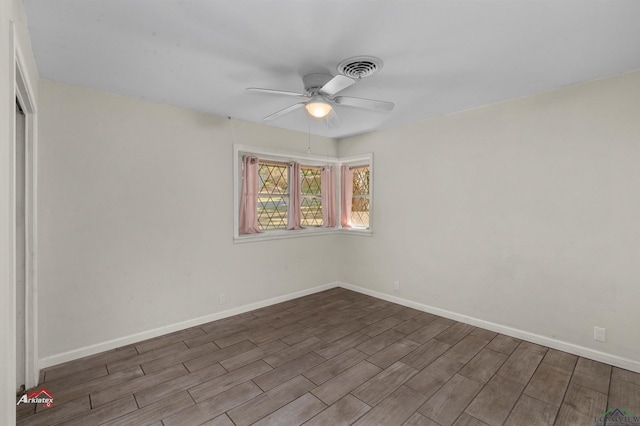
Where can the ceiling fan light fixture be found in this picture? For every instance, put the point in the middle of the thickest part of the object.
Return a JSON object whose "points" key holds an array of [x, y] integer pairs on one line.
{"points": [[318, 108]]}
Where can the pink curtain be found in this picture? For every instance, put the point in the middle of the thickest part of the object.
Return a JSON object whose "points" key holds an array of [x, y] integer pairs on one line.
{"points": [[346, 193], [249, 197], [328, 197], [294, 197]]}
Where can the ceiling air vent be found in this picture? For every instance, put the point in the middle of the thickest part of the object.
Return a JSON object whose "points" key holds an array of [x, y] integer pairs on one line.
{"points": [[359, 66]]}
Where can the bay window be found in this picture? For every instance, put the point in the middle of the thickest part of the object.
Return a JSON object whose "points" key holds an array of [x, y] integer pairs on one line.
{"points": [[282, 195]]}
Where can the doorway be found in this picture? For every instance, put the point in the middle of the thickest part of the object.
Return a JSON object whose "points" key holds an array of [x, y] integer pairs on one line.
{"points": [[21, 244]]}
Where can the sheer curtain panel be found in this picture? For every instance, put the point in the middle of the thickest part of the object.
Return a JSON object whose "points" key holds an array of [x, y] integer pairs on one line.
{"points": [[248, 222], [294, 196], [346, 194], [328, 196]]}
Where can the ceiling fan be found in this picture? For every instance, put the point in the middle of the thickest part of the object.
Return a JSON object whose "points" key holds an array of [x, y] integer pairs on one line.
{"points": [[321, 92]]}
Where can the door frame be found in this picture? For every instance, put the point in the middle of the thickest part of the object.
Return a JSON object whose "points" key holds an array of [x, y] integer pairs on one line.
{"points": [[24, 94]]}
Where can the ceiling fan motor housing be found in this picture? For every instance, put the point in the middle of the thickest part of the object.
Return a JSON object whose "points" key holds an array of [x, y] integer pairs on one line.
{"points": [[314, 82]]}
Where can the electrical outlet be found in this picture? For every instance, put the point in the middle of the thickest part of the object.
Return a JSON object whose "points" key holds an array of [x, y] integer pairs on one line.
{"points": [[599, 334], [396, 286], [223, 298]]}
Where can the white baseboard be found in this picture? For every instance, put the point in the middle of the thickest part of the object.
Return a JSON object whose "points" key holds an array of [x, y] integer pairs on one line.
{"points": [[614, 360], [625, 363], [150, 334]]}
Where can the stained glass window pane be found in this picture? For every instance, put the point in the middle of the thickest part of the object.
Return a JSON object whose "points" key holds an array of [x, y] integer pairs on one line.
{"points": [[273, 196], [360, 200], [311, 203]]}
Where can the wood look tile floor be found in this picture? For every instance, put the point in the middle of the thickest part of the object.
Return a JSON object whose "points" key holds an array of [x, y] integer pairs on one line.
{"points": [[332, 358]]}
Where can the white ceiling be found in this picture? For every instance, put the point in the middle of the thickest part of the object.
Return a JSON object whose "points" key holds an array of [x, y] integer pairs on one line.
{"points": [[440, 56]]}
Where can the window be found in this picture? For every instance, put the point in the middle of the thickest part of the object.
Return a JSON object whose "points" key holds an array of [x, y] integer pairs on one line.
{"points": [[361, 196], [273, 195], [283, 195], [355, 196], [311, 201]]}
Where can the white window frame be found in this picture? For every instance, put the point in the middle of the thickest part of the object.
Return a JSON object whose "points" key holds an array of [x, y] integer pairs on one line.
{"points": [[305, 160]]}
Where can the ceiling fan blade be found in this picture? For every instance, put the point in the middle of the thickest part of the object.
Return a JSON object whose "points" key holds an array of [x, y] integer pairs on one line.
{"points": [[282, 112], [336, 84], [275, 92], [364, 103], [333, 120]]}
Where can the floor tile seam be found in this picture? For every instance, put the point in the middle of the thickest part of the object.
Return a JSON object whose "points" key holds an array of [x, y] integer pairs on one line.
{"points": [[524, 387], [43, 414], [439, 387], [150, 352], [558, 366], [217, 362], [202, 344], [208, 400], [264, 393], [198, 384], [545, 402], [136, 410], [510, 410], [566, 390], [213, 324], [555, 417], [464, 363], [609, 388], [474, 417], [268, 414], [268, 342], [327, 359], [591, 388], [172, 365], [371, 407], [252, 380], [623, 380], [464, 410], [75, 416], [495, 373], [184, 390], [159, 347], [147, 387], [84, 394], [87, 380], [44, 381]]}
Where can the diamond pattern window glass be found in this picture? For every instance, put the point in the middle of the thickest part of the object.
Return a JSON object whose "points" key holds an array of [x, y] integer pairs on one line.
{"points": [[311, 200], [361, 197], [317, 191], [273, 195]]}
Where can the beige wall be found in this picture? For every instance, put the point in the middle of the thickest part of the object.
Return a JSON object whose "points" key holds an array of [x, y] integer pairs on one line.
{"points": [[136, 219], [524, 214]]}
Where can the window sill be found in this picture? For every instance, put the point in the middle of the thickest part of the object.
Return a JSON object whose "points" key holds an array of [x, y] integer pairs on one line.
{"points": [[283, 234], [308, 232], [363, 232]]}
